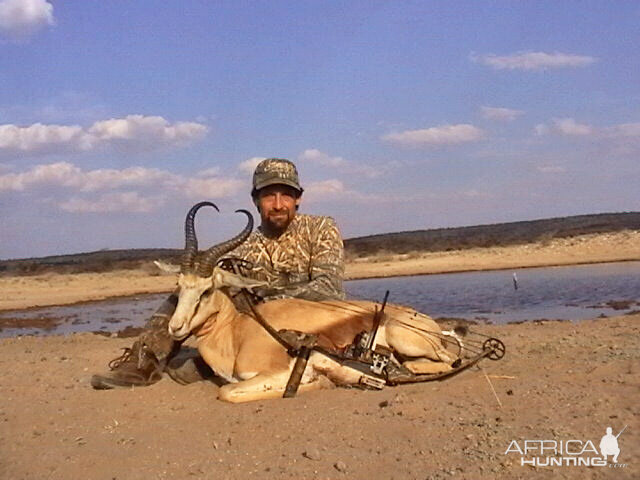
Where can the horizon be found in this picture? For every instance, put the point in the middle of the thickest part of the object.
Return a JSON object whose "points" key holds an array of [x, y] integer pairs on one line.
{"points": [[106, 249], [400, 116]]}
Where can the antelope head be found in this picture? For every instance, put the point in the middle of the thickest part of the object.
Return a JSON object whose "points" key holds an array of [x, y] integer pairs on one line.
{"points": [[199, 279]]}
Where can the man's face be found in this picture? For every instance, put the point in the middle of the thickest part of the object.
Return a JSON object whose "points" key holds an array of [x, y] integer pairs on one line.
{"points": [[277, 206]]}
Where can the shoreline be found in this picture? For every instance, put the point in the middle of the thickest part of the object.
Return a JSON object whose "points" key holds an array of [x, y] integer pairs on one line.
{"points": [[53, 289], [408, 272]]}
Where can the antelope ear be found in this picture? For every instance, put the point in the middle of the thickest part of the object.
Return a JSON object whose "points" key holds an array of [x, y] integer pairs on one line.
{"points": [[166, 267], [224, 278]]}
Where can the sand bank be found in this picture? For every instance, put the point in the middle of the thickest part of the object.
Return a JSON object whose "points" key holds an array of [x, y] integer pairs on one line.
{"points": [[61, 289], [585, 249]]}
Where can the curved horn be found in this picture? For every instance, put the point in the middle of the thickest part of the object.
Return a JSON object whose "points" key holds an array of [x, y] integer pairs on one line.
{"points": [[215, 252], [191, 241]]}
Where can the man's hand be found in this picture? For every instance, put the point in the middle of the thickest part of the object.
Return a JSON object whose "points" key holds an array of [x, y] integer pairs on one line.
{"points": [[265, 292], [291, 290]]}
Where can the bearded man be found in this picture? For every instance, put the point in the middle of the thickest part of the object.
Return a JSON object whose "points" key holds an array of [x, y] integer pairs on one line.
{"points": [[298, 255]]}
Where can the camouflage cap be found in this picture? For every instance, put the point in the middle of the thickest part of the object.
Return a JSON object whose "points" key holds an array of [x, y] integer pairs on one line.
{"points": [[276, 171]]}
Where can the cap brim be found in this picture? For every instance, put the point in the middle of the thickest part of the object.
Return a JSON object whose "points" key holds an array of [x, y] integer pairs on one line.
{"points": [[278, 181]]}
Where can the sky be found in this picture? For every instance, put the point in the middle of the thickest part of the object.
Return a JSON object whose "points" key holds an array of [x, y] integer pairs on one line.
{"points": [[116, 117]]}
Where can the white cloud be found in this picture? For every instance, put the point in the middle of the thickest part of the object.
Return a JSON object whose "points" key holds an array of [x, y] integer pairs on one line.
{"points": [[541, 129], [203, 188], [323, 159], [369, 171], [435, 136], [102, 179], [621, 139], [566, 127], [209, 172], [146, 131], [500, 113], [335, 190], [316, 156], [162, 184], [135, 132], [324, 188], [330, 190], [533, 60], [19, 19], [64, 174], [249, 165], [39, 138], [113, 202]]}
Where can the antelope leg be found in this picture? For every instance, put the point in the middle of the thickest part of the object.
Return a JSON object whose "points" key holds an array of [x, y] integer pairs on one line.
{"points": [[264, 386]]}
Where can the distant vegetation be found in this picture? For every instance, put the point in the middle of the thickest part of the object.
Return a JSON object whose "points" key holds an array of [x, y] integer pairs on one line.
{"points": [[496, 235], [101, 261], [436, 240]]}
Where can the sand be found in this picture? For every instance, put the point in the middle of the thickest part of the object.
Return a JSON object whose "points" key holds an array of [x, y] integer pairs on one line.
{"points": [[558, 381], [61, 289]]}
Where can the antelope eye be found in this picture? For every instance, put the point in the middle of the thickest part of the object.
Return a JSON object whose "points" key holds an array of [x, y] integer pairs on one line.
{"points": [[207, 292]]}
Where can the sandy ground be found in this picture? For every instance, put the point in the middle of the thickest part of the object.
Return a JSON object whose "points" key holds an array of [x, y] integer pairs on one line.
{"points": [[558, 381], [63, 289], [55, 289]]}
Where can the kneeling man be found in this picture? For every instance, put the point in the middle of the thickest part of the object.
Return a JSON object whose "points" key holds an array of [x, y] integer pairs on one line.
{"points": [[298, 255]]}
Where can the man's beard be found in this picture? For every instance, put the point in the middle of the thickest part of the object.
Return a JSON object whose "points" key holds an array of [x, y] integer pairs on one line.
{"points": [[276, 222]]}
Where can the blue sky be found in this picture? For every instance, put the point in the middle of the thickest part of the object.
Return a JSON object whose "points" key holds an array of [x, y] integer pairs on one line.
{"points": [[116, 116]]}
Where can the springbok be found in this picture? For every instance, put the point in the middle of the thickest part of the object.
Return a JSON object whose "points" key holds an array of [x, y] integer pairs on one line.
{"points": [[241, 351]]}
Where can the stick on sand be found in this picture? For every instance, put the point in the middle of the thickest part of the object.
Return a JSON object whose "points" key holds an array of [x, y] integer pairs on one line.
{"points": [[491, 385]]}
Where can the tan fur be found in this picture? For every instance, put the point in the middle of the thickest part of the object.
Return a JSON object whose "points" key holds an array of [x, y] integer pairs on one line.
{"points": [[238, 349]]}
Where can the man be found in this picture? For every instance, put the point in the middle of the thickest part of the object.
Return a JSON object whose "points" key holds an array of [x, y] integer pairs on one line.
{"points": [[298, 255], [609, 445]]}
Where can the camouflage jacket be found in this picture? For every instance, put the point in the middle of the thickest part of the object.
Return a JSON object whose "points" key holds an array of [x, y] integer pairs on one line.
{"points": [[306, 261]]}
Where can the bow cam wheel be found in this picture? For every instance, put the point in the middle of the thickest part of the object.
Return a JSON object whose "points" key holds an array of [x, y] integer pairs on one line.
{"points": [[496, 346]]}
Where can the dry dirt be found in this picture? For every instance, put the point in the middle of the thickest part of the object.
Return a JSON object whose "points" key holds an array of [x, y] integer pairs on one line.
{"points": [[61, 289], [558, 381]]}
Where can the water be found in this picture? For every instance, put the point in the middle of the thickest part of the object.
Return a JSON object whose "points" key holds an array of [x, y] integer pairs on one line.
{"points": [[106, 316], [567, 293]]}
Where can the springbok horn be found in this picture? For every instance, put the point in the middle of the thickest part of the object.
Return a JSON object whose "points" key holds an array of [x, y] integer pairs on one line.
{"points": [[191, 241], [215, 252]]}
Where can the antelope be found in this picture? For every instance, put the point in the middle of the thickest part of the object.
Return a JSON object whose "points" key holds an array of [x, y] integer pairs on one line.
{"points": [[239, 350]]}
